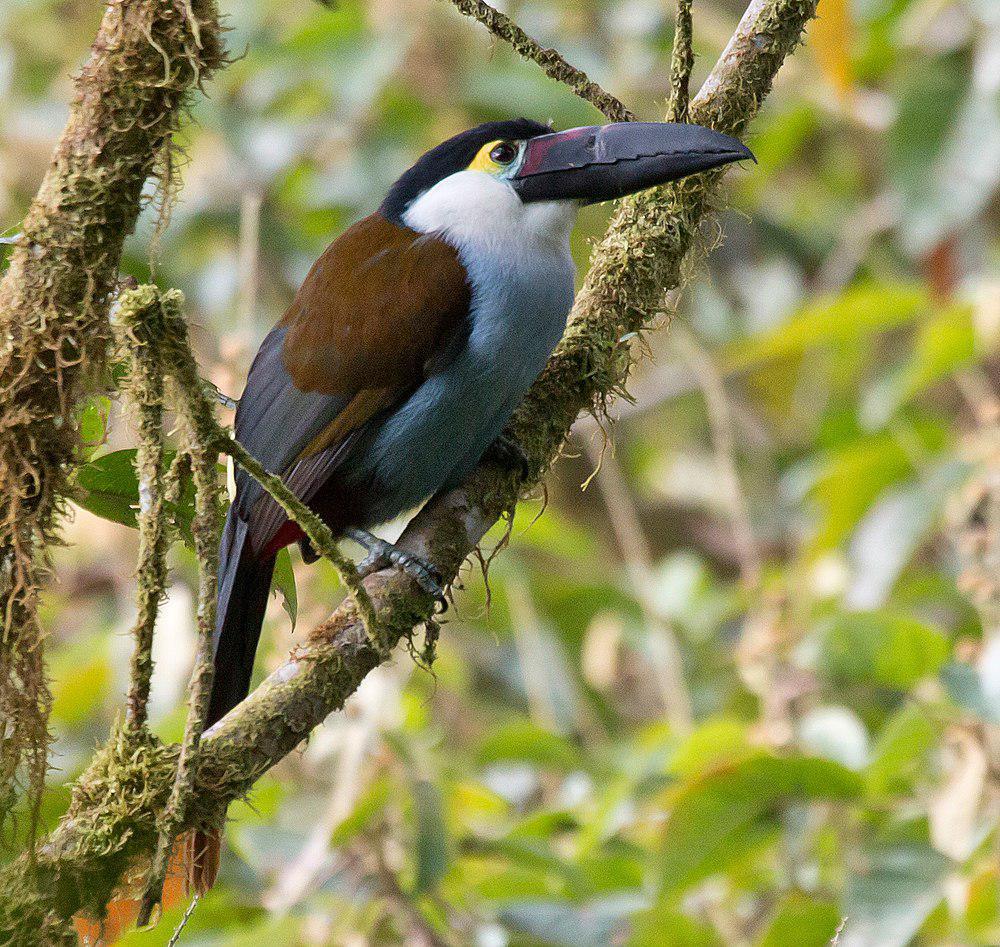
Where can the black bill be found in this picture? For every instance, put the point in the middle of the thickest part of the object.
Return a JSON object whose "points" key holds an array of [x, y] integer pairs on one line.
{"points": [[603, 162]]}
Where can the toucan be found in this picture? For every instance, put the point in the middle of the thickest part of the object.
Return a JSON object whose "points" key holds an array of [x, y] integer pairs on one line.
{"points": [[412, 340]]}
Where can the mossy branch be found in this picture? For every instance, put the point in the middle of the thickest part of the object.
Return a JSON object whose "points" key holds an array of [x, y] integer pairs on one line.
{"points": [[147, 58], [205, 528], [145, 391], [112, 817], [157, 319], [550, 61], [681, 63]]}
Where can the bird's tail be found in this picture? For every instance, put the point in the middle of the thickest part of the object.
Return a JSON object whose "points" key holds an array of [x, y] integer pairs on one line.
{"points": [[244, 585]]}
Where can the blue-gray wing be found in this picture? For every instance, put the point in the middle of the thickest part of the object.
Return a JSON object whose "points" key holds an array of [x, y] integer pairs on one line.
{"points": [[275, 421]]}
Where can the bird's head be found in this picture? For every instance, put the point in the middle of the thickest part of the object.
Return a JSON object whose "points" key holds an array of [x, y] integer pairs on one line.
{"points": [[521, 175]]}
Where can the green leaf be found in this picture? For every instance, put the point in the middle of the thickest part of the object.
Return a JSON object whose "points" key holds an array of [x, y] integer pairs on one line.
{"points": [[983, 911], [534, 855], [944, 151], [890, 897], [944, 344], [607, 870], [900, 750], [284, 582], [93, 418], [494, 879], [665, 926], [710, 745], [802, 921], [854, 476], [108, 486], [595, 923], [545, 824], [431, 843], [719, 817], [527, 741], [894, 528], [366, 811], [841, 318], [965, 687], [894, 650]]}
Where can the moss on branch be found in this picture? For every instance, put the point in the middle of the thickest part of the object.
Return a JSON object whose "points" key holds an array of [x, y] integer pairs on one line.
{"points": [[145, 390]]}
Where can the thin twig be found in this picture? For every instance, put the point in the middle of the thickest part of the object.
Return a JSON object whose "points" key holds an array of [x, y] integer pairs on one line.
{"points": [[177, 474], [550, 61], [317, 532], [681, 64], [176, 936]]}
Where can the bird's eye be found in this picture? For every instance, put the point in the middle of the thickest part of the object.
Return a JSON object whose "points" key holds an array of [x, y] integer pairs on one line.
{"points": [[504, 152]]}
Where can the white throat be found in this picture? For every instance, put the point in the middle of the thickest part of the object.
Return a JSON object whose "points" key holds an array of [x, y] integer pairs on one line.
{"points": [[474, 210]]}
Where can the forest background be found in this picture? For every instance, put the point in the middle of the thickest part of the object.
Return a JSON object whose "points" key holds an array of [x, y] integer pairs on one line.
{"points": [[797, 503]]}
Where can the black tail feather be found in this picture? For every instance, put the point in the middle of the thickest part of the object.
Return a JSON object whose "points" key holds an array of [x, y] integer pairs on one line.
{"points": [[244, 585]]}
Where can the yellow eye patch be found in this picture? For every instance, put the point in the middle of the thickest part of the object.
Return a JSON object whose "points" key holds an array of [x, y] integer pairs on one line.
{"points": [[486, 159], [483, 161]]}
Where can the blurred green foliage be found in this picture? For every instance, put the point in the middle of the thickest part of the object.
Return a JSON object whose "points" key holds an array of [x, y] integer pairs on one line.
{"points": [[775, 503]]}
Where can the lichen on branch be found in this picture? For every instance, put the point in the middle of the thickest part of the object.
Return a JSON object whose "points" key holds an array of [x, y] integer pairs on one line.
{"points": [[147, 58], [681, 63]]}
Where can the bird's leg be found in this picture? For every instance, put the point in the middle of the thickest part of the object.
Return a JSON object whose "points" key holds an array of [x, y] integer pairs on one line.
{"points": [[508, 453], [382, 555]]}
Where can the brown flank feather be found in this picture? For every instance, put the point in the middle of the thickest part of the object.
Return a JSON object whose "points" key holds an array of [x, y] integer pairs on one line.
{"points": [[376, 306]]}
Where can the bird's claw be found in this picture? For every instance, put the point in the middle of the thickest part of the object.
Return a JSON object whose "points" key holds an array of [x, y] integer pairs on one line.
{"points": [[384, 555], [508, 454]]}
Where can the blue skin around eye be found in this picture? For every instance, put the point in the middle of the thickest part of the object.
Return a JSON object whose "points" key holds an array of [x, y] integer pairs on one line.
{"points": [[435, 438]]}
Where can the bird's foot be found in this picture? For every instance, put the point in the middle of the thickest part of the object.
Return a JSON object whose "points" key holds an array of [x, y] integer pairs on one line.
{"points": [[383, 555], [508, 453]]}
